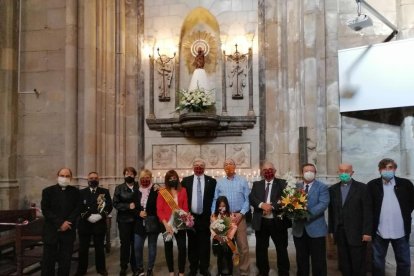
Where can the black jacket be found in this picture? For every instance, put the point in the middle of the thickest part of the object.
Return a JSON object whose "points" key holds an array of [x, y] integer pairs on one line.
{"points": [[203, 220], [150, 208], [122, 198], [355, 215], [404, 190], [257, 196], [59, 205], [89, 206]]}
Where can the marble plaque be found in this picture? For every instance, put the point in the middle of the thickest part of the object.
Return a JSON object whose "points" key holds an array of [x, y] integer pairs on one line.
{"points": [[213, 155], [164, 157], [186, 155], [240, 153]]}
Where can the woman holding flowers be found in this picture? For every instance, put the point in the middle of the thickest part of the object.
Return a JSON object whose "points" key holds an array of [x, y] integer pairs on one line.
{"points": [[172, 200], [223, 230]]}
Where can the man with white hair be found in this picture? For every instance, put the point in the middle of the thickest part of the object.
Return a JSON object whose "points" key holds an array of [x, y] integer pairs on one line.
{"points": [[237, 191], [200, 192]]}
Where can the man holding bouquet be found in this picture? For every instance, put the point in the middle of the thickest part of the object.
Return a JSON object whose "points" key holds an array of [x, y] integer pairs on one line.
{"points": [[264, 198], [309, 234]]}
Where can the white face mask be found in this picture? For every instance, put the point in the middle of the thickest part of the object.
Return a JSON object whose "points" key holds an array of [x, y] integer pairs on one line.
{"points": [[63, 181], [309, 176]]}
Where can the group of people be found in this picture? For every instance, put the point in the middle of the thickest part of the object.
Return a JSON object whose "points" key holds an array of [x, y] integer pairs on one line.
{"points": [[378, 212]]}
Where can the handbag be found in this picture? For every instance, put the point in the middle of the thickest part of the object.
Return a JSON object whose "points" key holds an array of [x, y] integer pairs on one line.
{"points": [[152, 225]]}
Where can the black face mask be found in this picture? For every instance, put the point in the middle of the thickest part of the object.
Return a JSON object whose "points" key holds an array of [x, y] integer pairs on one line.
{"points": [[173, 183], [93, 183], [129, 179]]}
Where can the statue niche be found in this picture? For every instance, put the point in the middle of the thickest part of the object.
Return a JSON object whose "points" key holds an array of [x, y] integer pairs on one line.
{"points": [[199, 79]]}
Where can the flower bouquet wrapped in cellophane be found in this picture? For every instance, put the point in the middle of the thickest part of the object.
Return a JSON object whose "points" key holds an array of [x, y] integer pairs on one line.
{"points": [[179, 220], [293, 202], [223, 230]]}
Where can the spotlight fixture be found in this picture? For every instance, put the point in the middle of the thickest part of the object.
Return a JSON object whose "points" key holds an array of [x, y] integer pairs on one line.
{"points": [[363, 20], [359, 22]]}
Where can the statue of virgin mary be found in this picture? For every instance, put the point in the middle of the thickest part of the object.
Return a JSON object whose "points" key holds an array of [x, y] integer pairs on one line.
{"points": [[199, 78]]}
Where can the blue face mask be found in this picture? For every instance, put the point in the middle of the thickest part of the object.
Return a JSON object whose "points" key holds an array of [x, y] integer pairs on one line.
{"points": [[387, 175]]}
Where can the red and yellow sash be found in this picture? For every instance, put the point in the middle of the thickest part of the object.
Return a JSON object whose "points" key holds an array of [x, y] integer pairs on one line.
{"points": [[168, 198]]}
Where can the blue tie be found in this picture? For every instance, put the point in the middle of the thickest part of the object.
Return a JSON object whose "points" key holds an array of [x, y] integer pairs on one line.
{"points": [[199, 197]]}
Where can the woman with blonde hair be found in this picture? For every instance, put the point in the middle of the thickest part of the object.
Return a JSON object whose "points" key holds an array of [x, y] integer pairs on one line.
{"points": [[147, 224]]}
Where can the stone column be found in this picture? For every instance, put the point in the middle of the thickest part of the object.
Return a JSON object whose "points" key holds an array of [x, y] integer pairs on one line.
{"points": [[88, 114], [71, 85], [9, 47]]}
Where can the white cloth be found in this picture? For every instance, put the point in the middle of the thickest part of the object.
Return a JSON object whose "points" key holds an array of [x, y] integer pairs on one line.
{"points": [[145, 191], [94, 218], [199, 79], [391, 224]]}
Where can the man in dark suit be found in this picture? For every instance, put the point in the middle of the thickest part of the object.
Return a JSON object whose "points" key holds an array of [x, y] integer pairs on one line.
{"points": [[264, 198], [309, 235], [350, 221], [200, 192], [393, 203], [96, 204], [60, 207]]}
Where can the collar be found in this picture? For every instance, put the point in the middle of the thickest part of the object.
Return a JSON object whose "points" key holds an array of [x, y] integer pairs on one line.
{"points": [[345, 184], [386, 183]]}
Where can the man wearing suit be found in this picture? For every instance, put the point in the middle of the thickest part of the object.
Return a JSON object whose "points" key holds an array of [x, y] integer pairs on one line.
{"points": [[264, 199], [350, 221], [60, 207], [393, 203], [309, 235], [200, 192], [96, 204]]}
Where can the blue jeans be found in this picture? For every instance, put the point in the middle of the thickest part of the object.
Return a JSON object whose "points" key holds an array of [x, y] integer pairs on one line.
{"points": [[401, 251], [152, 249]]}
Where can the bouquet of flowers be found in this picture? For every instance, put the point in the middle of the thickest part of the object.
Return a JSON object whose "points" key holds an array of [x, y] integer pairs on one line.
{"points": [[221, 226], [194, 100], [223, 230], [293, 202], [179, 220]]}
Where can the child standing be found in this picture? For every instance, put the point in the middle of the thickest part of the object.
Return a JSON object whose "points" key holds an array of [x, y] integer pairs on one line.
{"points": [[223, 244]]}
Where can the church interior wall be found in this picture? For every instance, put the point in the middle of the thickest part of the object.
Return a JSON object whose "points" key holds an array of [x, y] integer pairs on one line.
{"points": [[297, 51]]}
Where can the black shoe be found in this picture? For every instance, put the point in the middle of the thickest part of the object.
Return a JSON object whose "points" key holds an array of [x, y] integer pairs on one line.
{"points": [[103, 272], [139, 272], [149, 272]]}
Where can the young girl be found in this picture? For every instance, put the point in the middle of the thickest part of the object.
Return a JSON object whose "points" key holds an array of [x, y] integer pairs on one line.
{"points": [[223, 246]]}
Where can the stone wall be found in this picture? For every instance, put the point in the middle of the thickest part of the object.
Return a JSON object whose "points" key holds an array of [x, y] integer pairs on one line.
{"points": [[86, 59]]}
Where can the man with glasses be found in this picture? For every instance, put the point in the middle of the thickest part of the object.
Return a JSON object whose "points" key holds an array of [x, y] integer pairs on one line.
{"points": [[237, 191], [200, 192], [393, 203], [60, 207]]}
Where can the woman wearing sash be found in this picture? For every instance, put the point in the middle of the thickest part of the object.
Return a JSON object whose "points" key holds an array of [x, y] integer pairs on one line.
{"points": [[170, 198]]}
